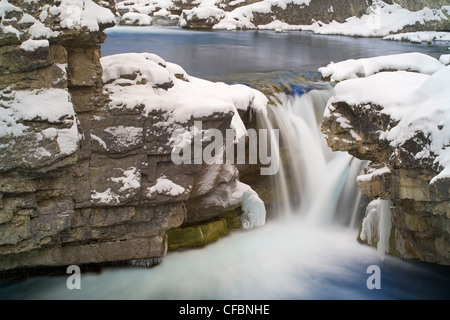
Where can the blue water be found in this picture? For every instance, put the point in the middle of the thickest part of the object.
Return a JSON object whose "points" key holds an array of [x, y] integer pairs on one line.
{"points": [[219, 55], [286, 259]]}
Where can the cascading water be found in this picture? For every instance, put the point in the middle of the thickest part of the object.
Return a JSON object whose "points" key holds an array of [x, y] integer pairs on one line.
{"points": [[321, 179]]}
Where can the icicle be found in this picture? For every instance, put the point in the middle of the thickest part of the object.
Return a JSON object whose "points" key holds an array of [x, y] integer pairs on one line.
{"points": [[376, 226], [253, 211]]}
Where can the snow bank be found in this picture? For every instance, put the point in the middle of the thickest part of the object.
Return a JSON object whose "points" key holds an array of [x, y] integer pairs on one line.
{"points": [[445, 59], [417, 102], [76, 14], [351, 69], [381, 20], [419, 37], [158, 85]]}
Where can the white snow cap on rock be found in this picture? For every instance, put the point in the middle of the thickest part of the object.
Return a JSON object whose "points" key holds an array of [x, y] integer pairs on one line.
{"points": [[418, 101], [350, 69], [75, 14], [159, 85]]}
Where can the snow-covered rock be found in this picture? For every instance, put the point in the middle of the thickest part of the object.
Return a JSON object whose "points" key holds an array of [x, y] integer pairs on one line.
{"points": [[398, 120], [361, 68]]}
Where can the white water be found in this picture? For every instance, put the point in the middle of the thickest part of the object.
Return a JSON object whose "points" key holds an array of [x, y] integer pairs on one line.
{"points": [[316, 174], [304, 254]]}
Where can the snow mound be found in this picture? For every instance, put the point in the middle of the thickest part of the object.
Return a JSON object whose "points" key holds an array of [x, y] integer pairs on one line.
{"points": [[166, 187], [419, 37], [445, 59], [144, 79], [351, 69], [415, 102]]}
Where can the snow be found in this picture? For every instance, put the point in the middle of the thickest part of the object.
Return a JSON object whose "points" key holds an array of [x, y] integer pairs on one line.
{"points": [[184, 99], [373, 173], [46, 104], [128, 184], [99, 140], [205, 13], [419, 37], [76, 14], [38, 30], [242, 17], [131, 179], [381, 21], [166, 187], [141, 10], [68, 139], [31, 45], [350, 69], [51, 105], [106, 197], [149, 67], [73, 14], [6, 7], [137, 18], [384, 89], [445, 59], [416, 102]]}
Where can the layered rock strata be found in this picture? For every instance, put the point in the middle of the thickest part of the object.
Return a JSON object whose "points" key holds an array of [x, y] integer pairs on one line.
{"points": [[86, 174], [397, 121]]}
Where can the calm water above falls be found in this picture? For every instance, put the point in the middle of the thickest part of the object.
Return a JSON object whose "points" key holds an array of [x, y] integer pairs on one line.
{"points": [[299, 256], [221, 54]]}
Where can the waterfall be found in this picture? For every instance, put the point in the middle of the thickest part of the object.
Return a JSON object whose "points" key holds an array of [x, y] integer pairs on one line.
{"points": [[313, 182], [298, 257]]}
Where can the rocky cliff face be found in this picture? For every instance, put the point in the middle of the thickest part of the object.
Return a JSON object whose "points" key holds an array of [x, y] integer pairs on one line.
{"points": [[405, 164], [86, 174]]}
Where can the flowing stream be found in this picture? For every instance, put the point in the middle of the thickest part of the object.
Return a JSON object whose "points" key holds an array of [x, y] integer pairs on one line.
{"points": [[309, 251]]}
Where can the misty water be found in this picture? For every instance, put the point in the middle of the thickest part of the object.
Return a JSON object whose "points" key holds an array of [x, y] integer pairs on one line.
{"points": [[308, 251]]}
